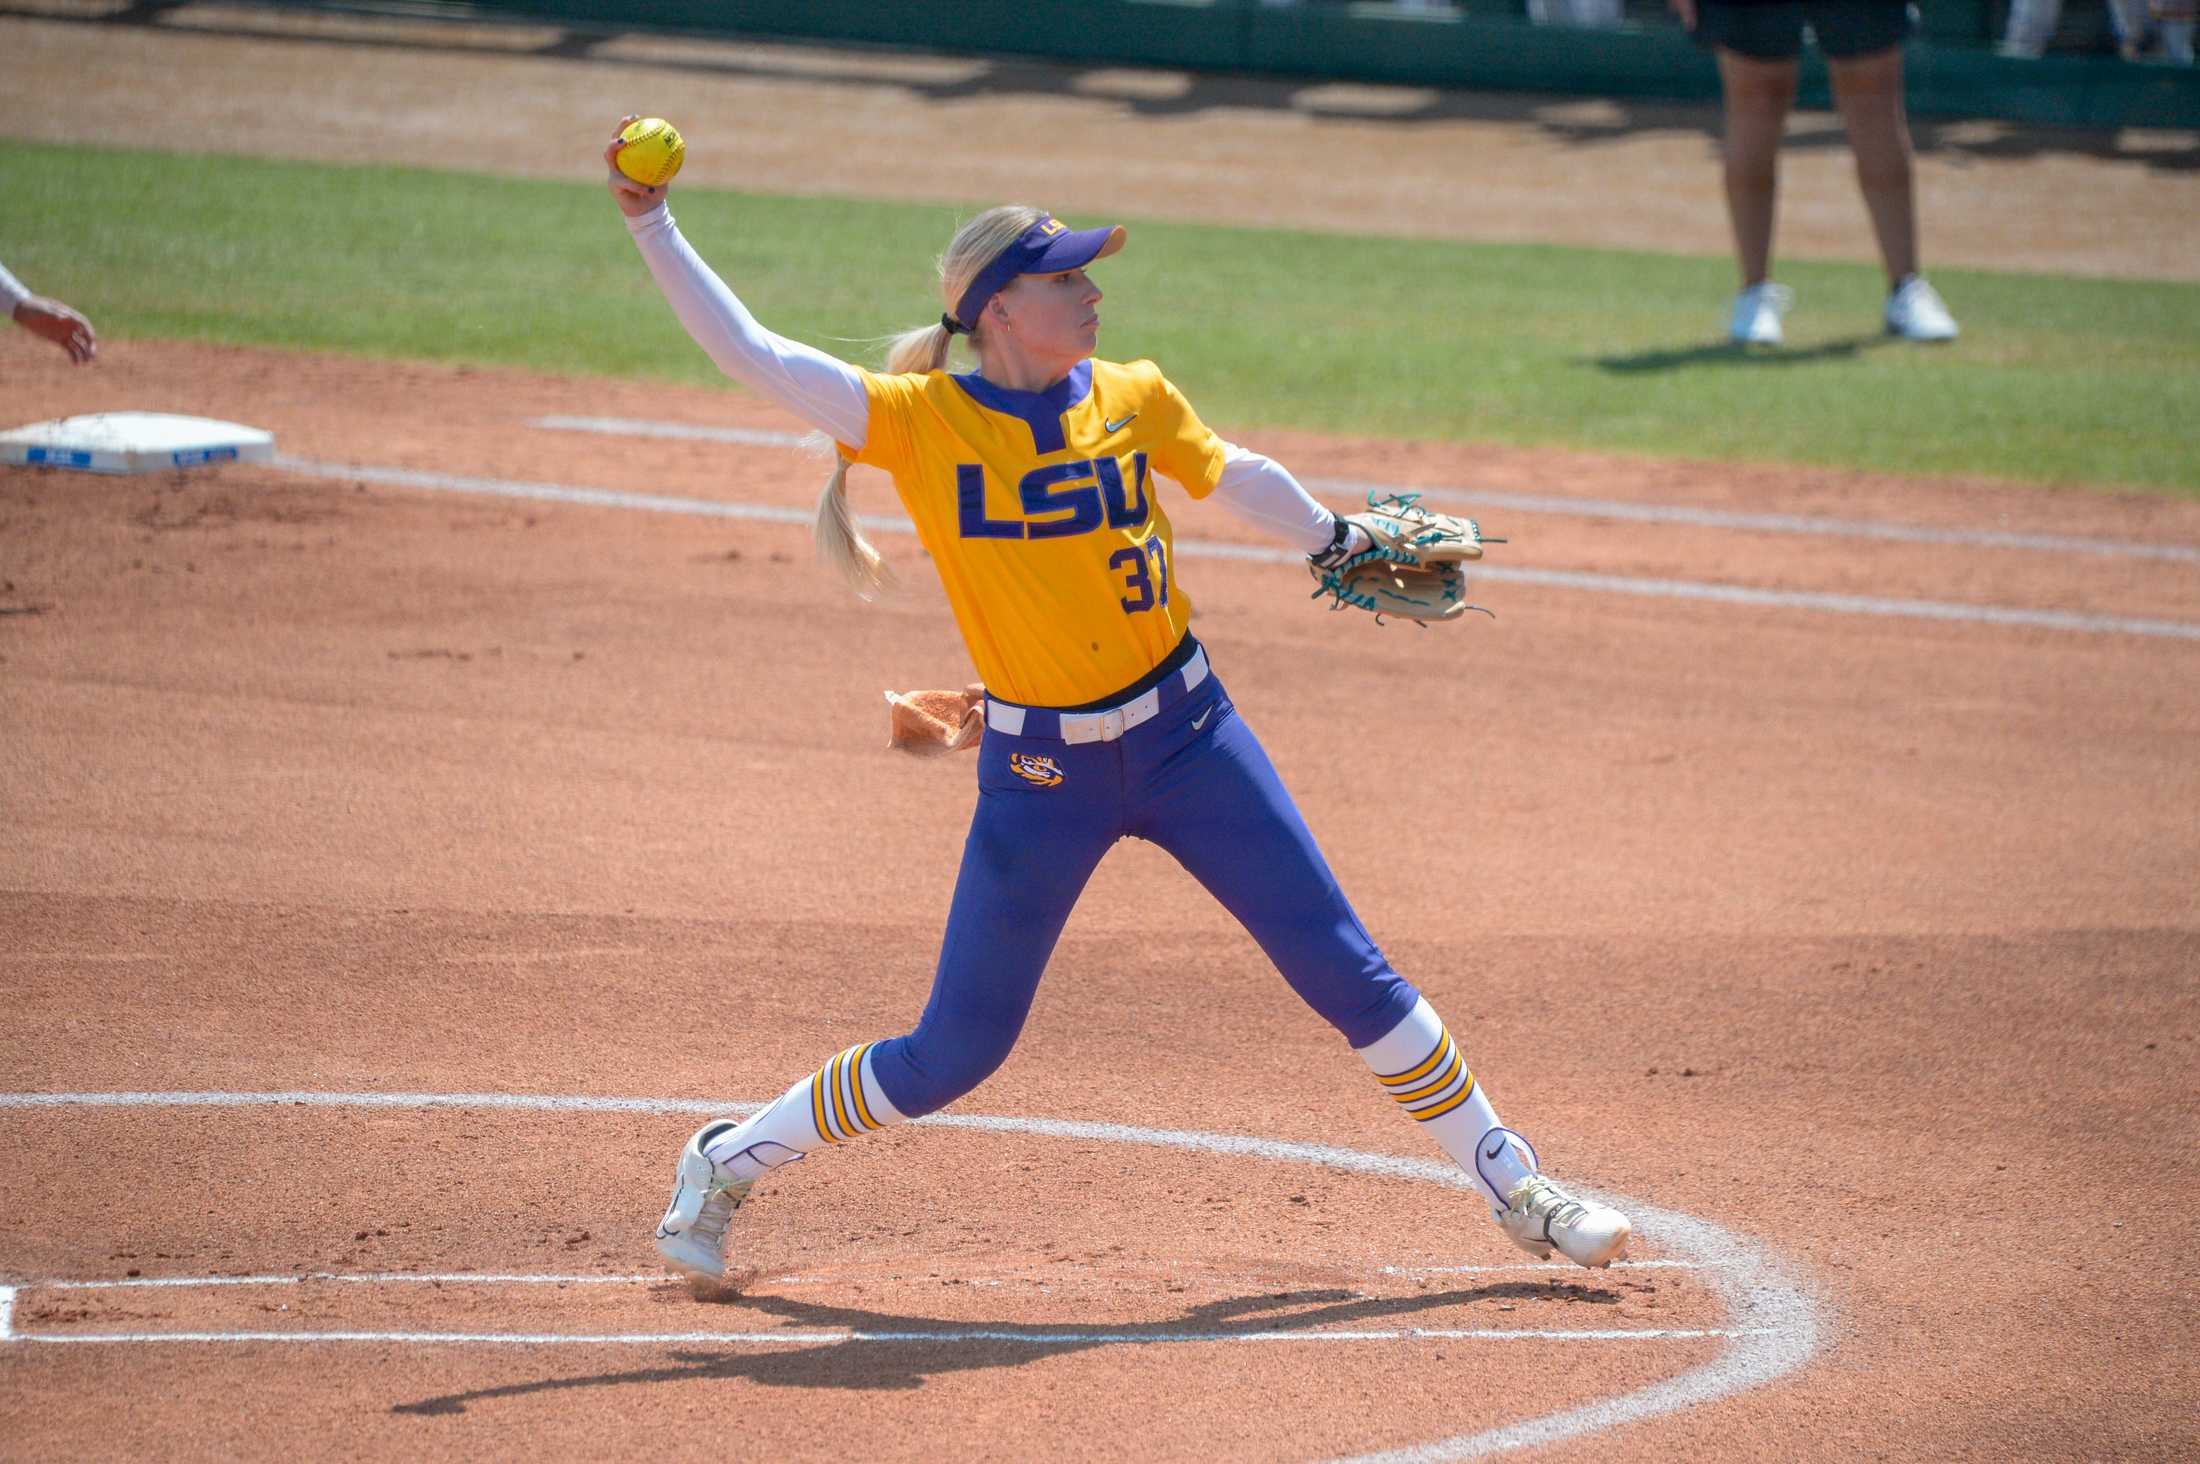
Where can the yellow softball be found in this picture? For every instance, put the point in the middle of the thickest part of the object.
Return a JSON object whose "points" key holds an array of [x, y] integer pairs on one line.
{"points": [[653, 151]]}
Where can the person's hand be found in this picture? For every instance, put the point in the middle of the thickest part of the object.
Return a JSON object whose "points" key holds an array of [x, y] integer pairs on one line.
{"points": [[633, 199], [1686, 10], [59, 324]]}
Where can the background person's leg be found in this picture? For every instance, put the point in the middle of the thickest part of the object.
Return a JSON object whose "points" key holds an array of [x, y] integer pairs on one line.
{"points": [[2031, 26], [1868, 92], [1758, 96], [1863, 45]]}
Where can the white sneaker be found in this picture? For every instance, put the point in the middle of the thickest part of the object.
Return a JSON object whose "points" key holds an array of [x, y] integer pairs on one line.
{"points": [[692, 1236], [1543, 1215], [1757, 312], [1916, 312]]}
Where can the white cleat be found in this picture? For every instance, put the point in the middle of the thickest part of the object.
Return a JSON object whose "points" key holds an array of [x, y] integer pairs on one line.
{"points": [[1544, 1216], [1916, 312], [1757, 312], [692, 1236]]}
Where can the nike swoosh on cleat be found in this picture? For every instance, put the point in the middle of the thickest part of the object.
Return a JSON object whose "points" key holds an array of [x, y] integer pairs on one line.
{"points": [[1201, 720], [1493, 1153], [1119, 426]]}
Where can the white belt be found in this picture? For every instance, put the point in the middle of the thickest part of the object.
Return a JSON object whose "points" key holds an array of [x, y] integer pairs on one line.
{"points": [[1101, 726]]}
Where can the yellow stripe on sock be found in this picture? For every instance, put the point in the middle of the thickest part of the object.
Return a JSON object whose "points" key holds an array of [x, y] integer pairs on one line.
{"points": [[1436, 1087], [840, 1107], [817, 1106], [1447, 1106], [1441, 1093], [855, 1083], [1423, 1067]]}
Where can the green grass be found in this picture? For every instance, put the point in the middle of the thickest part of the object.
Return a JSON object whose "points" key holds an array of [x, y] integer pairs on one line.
{"points": [[2055, 380]]}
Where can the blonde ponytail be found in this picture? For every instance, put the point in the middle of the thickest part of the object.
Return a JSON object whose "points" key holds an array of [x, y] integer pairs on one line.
{"points": [[920, 350], [840, 543]]}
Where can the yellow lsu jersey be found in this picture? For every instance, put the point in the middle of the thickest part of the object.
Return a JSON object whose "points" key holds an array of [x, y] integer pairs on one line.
{"points": [[1039, 509]]}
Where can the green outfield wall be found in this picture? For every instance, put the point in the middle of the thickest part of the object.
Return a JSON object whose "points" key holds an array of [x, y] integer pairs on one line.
{"points": [[1478, 45]]}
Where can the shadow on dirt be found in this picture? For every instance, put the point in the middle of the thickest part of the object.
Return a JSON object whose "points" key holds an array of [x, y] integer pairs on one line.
{"points": [[880, 1360]]}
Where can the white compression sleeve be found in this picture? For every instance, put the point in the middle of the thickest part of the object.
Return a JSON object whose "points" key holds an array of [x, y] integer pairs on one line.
{"points": [[12, 292], [1262, 492], [822, 390]]}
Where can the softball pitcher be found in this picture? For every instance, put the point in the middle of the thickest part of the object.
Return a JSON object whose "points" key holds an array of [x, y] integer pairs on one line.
{"points": [[1033, 484]]}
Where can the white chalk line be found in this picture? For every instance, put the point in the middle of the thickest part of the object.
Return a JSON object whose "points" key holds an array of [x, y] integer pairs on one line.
{"points": [[1610, 508], [362, 1278], [839, 1336], [1131, 1335], [1770, 523], [1939, 610], [655, 1278], [671, 431], [1539, 1266], [301, 1099], [1775, 1322]]}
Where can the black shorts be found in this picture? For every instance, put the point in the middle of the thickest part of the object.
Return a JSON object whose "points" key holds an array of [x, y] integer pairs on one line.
{"points": [[1772, 30]]}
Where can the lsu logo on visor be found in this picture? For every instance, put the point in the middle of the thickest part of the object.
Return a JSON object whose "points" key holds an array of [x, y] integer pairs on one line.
{"points": [[1042, 771]]}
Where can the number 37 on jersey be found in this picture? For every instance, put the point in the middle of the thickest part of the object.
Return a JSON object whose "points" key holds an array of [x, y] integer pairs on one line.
{"points": [[1067, 500]]}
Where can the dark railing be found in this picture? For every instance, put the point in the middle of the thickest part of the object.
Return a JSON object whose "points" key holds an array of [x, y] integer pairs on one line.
{"points": [[1953, 67]]}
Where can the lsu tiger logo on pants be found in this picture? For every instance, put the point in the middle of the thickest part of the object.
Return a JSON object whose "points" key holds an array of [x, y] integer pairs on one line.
{"points": [[1042, 771]]}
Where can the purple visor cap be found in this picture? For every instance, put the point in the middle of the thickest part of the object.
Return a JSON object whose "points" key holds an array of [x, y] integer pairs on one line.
{"points": [[1047, 247]]}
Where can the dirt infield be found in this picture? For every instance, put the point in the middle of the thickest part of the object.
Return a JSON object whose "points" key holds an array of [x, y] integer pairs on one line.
{"points": [[1814, 871], [1868, 940]]}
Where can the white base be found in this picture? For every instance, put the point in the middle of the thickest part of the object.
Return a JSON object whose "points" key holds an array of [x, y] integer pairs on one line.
{"points": [[134, 442]]}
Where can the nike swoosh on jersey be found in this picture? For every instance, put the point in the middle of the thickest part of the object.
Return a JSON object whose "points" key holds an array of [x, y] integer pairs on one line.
{"points": [[1119, 426], [1201, 720]]}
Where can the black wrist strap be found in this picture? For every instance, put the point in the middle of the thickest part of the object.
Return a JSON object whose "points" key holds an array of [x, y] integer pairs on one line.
{"points": [[1333, 554]]}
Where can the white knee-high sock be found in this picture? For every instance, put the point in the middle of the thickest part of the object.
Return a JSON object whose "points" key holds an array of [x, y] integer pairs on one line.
{"points": [[1422, 1068], [841, 1100]]}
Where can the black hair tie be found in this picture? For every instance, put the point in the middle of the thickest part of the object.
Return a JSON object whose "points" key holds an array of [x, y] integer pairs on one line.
{"points": [[953, 326]]}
